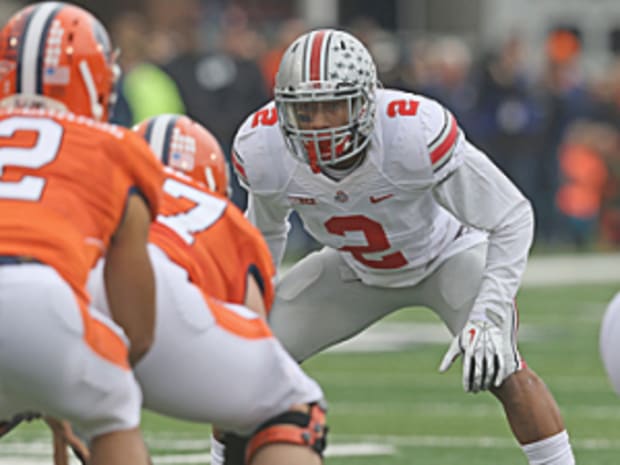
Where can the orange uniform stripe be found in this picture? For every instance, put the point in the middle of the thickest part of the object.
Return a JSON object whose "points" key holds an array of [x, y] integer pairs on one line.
{"points": [[254, 328], [103, 340]]}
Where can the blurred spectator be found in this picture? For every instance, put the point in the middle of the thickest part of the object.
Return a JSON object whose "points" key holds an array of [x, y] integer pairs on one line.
{"points": [[584, 179], [414, 73], [563, 98], [507, 117], [449, 81], [605, 91], [382, 44], [220, 86], [145, 90], [288, 31]]}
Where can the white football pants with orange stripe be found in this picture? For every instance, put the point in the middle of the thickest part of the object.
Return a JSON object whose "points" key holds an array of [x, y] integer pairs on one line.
{"points": [[320, 301], [609, 342], [59, 358], [213, 362]]}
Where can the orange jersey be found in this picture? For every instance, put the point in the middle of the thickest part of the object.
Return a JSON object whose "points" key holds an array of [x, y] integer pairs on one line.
{"points": [[208, 236], [64, 184]]}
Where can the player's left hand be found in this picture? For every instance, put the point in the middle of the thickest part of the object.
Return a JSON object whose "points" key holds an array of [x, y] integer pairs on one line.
{"points": [[489, 355]]}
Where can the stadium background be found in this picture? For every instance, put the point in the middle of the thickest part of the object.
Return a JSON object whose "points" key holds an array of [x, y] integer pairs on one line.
{"points": [[534, 83]]}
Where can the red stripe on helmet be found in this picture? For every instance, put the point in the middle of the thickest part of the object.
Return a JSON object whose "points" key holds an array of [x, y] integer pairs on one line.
{"points": [[315, 56]]}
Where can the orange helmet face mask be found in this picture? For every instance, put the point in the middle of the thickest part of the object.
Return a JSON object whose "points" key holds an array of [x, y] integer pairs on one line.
{"points": [[59, 55], [182, 144]]}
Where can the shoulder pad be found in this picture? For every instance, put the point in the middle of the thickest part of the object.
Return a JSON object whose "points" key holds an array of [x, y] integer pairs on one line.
{"points": [[259, 154], [401, 139], [420, 137]]}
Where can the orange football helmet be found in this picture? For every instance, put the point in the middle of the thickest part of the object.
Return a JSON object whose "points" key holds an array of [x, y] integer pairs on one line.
{"points": [[58, 55], [185, 145]]}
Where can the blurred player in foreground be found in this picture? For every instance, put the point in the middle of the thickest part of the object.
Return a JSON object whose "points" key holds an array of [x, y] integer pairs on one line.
{"points": [[609, 342], [211, 361], [72, 188]]}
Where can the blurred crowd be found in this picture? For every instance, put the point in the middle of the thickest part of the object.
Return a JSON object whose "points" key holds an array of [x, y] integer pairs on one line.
{"points": [[553, 127]]}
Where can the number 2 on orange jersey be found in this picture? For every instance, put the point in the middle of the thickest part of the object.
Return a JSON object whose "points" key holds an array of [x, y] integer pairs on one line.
{"points": [[208, 210], [44, 151]]}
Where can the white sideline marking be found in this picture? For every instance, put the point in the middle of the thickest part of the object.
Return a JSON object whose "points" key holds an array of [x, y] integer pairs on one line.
{"points": [[557, 270], [40, 453], [359, 449], [487, 442], [391, 337], [394, 337], [183, 459], [596, 268]]}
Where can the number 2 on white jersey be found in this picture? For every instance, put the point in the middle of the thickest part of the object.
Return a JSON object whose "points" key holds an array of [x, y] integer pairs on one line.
{"points": [[44, 151], [207, 211], [376, 239]]}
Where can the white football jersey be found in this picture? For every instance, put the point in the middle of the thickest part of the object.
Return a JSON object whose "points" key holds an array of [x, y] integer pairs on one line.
{"points": [[388, 217]]}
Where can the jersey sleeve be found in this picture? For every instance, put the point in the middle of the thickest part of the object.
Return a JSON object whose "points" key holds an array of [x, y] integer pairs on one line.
{"points": [[271, 219], [145, 169], [255, 256], [261, 162], [444, 140], [481, 196]]}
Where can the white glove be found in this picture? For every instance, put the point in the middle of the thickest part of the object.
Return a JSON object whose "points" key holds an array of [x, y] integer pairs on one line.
{"points": [[489, 355]]}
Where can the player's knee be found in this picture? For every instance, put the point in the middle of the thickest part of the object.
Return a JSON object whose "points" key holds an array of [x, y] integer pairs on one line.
{"points": [[292, 427]]}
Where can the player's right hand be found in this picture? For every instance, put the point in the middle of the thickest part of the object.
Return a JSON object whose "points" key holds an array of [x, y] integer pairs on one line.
{"points": [[488, 356]]}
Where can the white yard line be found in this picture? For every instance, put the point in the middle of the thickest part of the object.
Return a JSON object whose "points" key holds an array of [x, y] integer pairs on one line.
{"points": [[551, 270], [39, 452]]}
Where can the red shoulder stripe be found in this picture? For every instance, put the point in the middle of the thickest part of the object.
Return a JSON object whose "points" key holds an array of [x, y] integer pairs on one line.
{"points": [[445, 142], [236, 161]]}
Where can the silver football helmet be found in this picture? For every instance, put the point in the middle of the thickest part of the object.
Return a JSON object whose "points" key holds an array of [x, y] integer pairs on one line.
{"points": [[326, 69]]}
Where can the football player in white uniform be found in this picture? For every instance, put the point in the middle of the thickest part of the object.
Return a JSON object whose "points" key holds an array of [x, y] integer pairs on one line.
{"points": [[409, 213], [609, 342]]}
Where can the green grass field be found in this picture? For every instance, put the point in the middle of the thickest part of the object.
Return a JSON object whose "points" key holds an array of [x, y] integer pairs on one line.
{"points": [[394, 408]]}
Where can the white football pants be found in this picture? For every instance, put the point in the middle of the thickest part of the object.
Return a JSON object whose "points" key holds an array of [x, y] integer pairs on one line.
{"points": [[320, 302], [51, 364], [213, 362]]}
